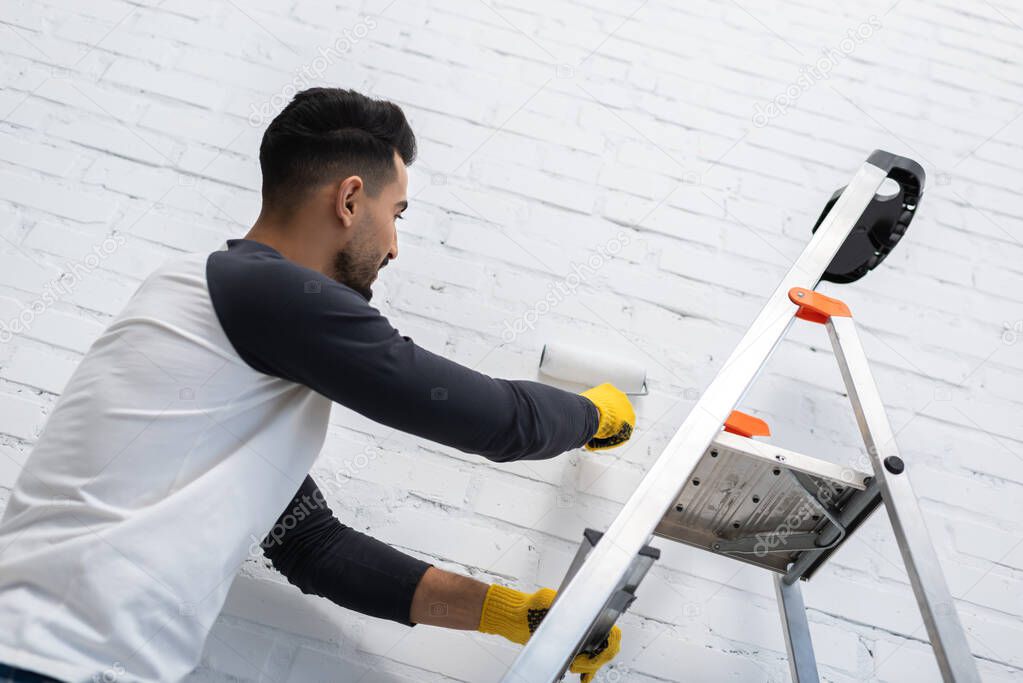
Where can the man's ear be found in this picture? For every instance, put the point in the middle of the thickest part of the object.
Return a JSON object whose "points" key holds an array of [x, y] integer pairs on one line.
{"points": [[349, 193]]}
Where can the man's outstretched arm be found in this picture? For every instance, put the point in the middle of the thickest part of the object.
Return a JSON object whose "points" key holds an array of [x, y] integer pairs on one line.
{"points": [[292, 322], [322, 556]]}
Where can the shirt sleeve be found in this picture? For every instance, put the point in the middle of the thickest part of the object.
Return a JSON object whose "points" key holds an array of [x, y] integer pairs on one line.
{"points": [[293, 322], [322, 556]]}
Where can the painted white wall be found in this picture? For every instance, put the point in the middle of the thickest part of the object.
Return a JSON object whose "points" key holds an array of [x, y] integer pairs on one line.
{"points": [[698, 144]]}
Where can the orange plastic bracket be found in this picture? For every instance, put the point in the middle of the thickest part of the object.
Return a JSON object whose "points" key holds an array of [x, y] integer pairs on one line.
{"points": [[746, 425], [816, 307]]}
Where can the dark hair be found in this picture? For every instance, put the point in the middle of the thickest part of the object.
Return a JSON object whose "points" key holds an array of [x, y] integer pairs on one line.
{"points": [[327, 133]]}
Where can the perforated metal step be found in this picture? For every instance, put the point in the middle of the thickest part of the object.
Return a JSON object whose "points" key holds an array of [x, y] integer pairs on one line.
{"points": [[762, 504]]}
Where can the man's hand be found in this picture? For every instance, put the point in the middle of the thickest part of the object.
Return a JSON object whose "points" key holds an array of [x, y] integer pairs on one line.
{"points": [[515, 615], [617, 418], [588, 665]]}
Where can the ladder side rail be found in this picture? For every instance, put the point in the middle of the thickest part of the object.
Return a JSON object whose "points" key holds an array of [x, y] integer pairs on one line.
{"points": [[796, 628], [560, 634], [932, 594]]}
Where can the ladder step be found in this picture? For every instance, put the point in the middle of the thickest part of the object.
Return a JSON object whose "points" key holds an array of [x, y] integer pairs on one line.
{"points": [[765, 505]]}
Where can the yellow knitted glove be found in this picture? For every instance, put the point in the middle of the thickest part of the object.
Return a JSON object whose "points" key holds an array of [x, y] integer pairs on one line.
{"points": [[515, 615], [617, 418], [588, 665]]}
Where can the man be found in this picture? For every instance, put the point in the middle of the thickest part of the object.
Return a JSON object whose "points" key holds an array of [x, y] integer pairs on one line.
{"points": [[199, 411]]}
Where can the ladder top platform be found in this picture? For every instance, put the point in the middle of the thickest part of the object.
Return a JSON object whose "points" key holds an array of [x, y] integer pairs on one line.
{"points": [[758, 503]]}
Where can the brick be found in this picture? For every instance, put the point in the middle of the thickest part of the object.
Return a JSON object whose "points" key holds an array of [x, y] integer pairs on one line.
{"points": [[469, 543], [518, 503], [282, 606], [197, 125], [172, 84], [602, 477], [133, 179], [39, 370], [48, 159], [546, 188], [311, 666], [669, 657], [12, 460], [224, 168], [420, 259], [20, 418], [59, 329], [97, 292], [480, 657], [990, 543], [193, 234], [120, 140], [25, 271], [843, 598], [237, 652], [418, 474], [85, 207], [903, 661]]}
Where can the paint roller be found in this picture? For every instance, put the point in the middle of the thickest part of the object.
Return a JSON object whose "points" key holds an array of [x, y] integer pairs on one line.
{"points": [[582, 365]]}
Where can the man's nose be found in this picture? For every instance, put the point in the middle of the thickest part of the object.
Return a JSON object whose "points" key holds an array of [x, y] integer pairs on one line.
{"points": [[392, 253]]}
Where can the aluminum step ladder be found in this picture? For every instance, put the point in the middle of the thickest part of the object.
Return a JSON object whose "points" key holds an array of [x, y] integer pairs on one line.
{"points": [[714, 487]]}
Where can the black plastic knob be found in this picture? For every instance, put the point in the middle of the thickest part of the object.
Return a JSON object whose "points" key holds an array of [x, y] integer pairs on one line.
{"points": [[894, 464]]}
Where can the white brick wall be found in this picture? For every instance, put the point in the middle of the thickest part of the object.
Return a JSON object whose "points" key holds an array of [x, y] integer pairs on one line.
{"points": [[548, 130]]}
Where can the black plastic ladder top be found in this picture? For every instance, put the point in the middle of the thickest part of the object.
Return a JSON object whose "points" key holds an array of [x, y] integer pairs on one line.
{"points": [[883, 223]]}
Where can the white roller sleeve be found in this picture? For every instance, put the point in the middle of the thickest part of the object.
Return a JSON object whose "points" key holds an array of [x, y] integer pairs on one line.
{"points": [[585, 366]]}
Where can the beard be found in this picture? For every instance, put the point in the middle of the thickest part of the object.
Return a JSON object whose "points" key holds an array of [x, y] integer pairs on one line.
{"points": [[357, 271]]}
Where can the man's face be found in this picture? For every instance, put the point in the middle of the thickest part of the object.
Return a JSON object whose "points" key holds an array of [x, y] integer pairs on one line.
{"points": [[374, 239]]}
